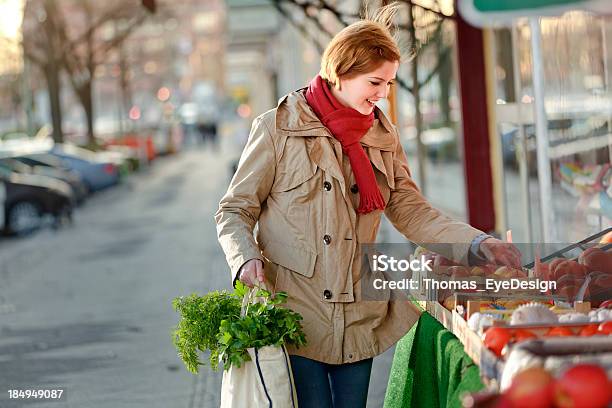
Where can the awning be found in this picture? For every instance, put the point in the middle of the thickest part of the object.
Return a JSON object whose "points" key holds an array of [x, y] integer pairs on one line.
{"points": [[487, 13]]}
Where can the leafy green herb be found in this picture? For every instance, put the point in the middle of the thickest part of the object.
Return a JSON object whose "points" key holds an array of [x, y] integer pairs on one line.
{"points": [[213, 322]]}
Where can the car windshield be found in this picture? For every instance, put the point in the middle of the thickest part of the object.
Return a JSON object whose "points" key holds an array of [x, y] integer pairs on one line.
{"points": [[44, 159], [79, 152]]}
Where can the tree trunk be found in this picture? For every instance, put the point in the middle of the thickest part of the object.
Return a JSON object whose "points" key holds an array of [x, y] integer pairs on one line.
{"points": [[54, 87], [445, 74], [418, 124], [86, 98], [416, 93], [124, 85]]}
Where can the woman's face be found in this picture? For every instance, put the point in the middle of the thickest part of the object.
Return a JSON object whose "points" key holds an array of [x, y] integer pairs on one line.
{"points": [[363, 91]]}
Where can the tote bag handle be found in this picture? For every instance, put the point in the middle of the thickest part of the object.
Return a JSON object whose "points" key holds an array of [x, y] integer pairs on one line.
{"points": [[250, 297]]}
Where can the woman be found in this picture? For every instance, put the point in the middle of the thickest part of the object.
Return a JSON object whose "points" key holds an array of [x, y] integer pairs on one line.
{"points": [[315, 176]]}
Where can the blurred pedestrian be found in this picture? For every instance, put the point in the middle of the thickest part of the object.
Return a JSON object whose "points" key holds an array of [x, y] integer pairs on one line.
{"points": [[316, 175]]}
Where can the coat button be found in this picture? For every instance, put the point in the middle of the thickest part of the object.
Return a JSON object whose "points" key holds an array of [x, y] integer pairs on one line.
{"points": [[326, 239], [327, 294], [354, 189], [327, 186]]}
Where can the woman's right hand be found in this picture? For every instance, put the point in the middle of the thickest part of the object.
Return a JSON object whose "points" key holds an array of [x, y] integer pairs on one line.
{"points": [[251, 273]]}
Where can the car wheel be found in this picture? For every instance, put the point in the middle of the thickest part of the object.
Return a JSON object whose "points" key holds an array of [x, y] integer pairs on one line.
{"points": [[24, 217]]}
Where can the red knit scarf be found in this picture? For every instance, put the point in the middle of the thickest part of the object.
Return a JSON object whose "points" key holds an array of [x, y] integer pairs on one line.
{"points": [[348, 126]]}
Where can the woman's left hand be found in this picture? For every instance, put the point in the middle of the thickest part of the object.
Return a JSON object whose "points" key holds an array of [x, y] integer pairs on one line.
{"points": [[501, 253]]}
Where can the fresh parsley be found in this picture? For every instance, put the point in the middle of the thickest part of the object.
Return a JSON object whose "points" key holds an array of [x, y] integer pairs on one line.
{"points": [[213, 322]]}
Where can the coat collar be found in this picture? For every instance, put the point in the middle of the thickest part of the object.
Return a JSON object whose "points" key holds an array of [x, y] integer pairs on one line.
{"points": [[294, 117]]}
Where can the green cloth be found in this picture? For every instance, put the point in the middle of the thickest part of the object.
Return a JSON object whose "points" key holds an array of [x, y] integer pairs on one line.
{"points": [[430, 369]]}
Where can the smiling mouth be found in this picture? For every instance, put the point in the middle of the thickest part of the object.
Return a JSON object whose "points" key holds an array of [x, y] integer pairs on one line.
{"points": [[370, 102]]}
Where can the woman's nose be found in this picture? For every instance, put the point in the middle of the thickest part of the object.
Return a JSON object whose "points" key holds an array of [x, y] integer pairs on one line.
{"points": [[383, 93]]}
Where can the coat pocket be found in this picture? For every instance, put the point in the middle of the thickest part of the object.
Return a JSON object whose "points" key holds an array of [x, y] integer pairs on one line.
{"points": [[297, 259], [293, 173]]}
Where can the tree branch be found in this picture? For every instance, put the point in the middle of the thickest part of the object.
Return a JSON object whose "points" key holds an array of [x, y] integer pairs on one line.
{"points": [[301, 28]]}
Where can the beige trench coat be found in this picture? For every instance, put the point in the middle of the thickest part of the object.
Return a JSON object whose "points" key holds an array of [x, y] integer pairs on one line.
{"points": [[294, 182]]}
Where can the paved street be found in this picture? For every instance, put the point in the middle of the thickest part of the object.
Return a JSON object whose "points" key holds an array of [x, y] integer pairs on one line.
{"points": [[87, 309]]}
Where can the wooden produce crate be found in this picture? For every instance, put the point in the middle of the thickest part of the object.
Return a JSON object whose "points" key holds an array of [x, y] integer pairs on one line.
{"points": [[491, 367], [440, 313]]}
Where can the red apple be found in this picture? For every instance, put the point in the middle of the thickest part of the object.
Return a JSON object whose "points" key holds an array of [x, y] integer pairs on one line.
{"points": [[583, 386], [585, 254], [531, 388], [566, 280], [596, 260], [552, 266], [543, 271], [569, 267], [603, 280], [503, 402]]}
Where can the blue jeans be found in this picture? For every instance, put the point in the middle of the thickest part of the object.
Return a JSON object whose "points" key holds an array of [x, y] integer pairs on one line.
{"points": [[321, 385]]}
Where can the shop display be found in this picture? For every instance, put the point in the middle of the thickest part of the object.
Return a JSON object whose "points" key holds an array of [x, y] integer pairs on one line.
{"points": [[534, 348]]}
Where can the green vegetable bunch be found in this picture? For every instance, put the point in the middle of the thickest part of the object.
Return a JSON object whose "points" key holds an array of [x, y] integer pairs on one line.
{"points": [[213, 322]]}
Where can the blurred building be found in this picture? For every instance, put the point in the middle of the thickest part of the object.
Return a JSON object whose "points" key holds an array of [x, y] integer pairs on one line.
{"points": [[174, 57], [251, 60], [267, 56]]}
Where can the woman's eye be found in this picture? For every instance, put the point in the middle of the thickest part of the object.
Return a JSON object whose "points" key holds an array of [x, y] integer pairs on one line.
{"points": [[390, 83], [375, 83]]}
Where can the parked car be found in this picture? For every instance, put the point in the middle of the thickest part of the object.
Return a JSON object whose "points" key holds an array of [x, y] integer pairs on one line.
{"points": [[14, 136], [97, 173], [29, 198], [42, 159], [79, 189]]}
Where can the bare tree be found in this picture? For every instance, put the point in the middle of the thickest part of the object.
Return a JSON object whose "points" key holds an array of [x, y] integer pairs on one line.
{"points": [[106, 27], [77, 36], [41, 45]]}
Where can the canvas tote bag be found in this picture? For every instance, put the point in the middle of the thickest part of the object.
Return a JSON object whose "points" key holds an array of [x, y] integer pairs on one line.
{"points": [[265, 381]]}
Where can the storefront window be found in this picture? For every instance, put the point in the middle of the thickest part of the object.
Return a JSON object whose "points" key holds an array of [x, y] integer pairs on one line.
{"points": [[575, 61]]}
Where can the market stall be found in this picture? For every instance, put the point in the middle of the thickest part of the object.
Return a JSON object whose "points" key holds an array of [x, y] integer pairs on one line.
{"points": [[473, 347], [430, 368]]}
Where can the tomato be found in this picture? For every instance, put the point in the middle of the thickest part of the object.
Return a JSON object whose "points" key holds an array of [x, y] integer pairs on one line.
{"points": [[605, 328], [588, 330], [522, 335], [495, 338], [560, 331]]}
